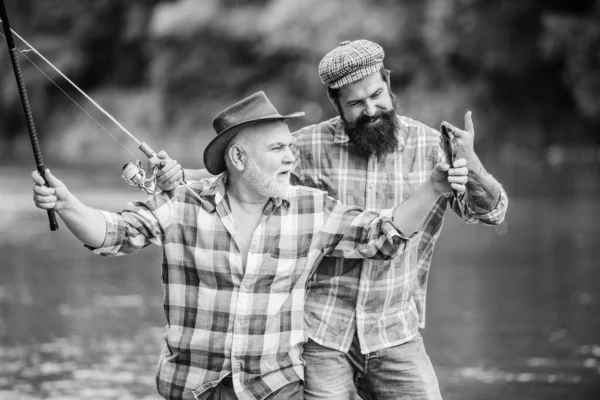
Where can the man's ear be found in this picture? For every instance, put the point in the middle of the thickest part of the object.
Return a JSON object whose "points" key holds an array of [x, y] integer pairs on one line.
{"points": [[237, 157]]}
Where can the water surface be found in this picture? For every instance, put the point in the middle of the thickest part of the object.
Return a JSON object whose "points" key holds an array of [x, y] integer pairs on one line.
{"points": [[513, 311]]}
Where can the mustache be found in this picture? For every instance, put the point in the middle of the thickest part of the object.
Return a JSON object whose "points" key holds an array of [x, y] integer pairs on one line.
{"points": [[379, 116], [365, 119]]}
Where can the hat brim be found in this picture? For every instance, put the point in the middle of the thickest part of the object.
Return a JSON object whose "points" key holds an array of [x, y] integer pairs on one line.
{"points": [[214, 157]]}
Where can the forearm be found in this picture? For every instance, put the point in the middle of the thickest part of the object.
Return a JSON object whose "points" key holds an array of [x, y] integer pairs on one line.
{"points": [[409, 215], [483, 190], [196, 174], [86, 223]]}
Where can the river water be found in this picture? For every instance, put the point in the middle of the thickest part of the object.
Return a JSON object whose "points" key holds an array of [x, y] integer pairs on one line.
{"points": [[513, 311]]}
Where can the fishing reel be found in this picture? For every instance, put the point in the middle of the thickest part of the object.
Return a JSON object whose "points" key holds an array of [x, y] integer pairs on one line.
{"points": [[135, 175]]}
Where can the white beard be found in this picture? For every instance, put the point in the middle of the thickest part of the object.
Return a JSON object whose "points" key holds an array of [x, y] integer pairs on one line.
{"points": [[265, 184]]}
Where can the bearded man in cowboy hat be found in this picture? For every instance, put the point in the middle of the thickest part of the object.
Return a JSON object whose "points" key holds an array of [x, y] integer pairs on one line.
{"points": [[372, 157], [238, 253]]}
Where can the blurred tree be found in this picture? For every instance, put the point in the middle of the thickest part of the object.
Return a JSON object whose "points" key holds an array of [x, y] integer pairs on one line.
{"points": [[530, 69], [574, 42], [94, 43]]}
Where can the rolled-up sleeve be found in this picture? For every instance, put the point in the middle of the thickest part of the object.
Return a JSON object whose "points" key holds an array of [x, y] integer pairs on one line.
{"points": [[461, 207], [350, 232], [130, 230]]}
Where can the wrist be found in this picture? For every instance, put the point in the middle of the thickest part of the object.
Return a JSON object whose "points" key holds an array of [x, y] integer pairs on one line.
{"points": [[432, 188], [474, 164], [68, 203]]}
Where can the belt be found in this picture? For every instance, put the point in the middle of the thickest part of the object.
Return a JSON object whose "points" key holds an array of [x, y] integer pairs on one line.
{"points": [[227, 381]]}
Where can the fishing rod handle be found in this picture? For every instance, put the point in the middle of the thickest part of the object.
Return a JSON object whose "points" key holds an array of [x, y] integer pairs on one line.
{"points": [[37, 152], [147, 150]]}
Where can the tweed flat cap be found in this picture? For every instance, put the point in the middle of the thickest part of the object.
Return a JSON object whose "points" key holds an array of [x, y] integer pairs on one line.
{"points": [[349, 62]]}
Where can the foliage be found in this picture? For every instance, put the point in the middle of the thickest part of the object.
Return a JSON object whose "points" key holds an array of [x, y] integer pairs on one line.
{"points": [[529, 70]]}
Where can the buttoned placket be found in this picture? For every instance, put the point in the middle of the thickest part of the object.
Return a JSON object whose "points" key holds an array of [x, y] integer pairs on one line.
{"points": [[370, 204], [243, 301], [371, 195]]}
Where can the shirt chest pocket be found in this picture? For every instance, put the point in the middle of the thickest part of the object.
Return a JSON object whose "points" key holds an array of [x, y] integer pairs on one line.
{"points": [[287, 267]]}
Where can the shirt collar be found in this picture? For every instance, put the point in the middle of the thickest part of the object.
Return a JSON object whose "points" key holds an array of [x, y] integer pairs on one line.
{"points": [[216, 193], [340, 135]]}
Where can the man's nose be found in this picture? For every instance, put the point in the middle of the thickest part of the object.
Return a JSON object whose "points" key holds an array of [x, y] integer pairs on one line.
{"points": [[288, 156], [370, 108]]}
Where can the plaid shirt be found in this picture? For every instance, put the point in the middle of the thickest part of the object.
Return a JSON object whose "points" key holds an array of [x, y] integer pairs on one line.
{"points": [[226, 318], [384, 301]]}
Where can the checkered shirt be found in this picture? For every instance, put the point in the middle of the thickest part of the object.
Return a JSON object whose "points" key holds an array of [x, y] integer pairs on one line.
{"points": [[384, 301], [224, 318]]}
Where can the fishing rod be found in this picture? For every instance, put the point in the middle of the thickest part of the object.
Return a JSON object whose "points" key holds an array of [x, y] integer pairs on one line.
{"points": [[133, 173], [37, 151]]}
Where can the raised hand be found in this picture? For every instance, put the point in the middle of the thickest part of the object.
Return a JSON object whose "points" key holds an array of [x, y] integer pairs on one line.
{"points": [[464, 140], [483, 190]]}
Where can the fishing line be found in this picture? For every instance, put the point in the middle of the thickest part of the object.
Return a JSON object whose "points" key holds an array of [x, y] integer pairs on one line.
{"points": [[106, 113], [143, 146], [71, 98]]}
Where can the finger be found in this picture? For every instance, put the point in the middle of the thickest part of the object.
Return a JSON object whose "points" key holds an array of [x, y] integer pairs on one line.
{"points": [[153, 162], [37, 178], [45, 206], [461, 162], [442, 166], [458, 187], [42, 190], [165, 167], [171, 161], [463, 171], [458, 133], [469, 123], [52, 180], [170, 174], [458, 179], [168, 164], [163, 155], [44, 199]]}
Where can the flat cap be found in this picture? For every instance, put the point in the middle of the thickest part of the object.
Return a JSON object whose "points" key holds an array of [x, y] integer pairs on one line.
{"points": [[349, 62]]}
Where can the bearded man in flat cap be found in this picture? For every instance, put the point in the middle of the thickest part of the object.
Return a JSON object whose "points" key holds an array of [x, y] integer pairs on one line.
{"points": [[363, 316]]}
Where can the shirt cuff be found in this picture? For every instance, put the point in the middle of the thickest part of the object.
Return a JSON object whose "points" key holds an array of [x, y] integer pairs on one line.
{"points": [[390, 228], [110, 239], [489, 215]]}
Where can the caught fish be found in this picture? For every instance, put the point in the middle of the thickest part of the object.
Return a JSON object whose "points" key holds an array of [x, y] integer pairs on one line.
{"points": [[482, 193], [448, 143]]}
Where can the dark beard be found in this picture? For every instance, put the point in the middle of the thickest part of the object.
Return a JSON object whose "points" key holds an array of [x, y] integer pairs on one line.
{"points": [[378, 139]]}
